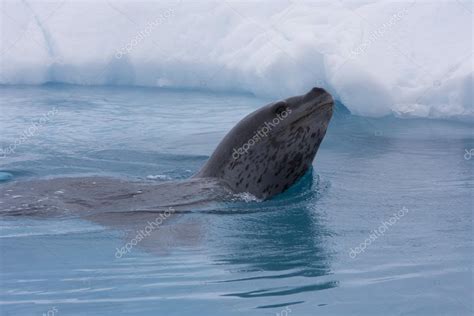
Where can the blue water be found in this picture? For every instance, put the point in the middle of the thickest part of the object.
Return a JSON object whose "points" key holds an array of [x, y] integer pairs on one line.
{"points": [[293, 255]]}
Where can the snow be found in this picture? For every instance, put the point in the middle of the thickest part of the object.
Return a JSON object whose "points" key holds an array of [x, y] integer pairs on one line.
{"points": [[411, 58]]}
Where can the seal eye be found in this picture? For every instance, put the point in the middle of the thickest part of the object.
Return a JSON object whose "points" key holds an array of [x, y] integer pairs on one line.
{"points": [[280, 109]]}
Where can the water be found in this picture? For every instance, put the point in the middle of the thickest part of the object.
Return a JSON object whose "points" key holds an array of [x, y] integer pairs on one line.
{"points": [[293, 255]]}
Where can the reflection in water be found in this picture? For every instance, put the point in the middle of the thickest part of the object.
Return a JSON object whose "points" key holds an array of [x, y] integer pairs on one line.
{"points": [[278, 242]]}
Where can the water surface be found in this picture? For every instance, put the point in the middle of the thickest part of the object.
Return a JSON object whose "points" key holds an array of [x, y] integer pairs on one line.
{"points": [[295, 254]]}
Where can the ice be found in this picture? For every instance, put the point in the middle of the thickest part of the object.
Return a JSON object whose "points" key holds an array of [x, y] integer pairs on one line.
{"points": [[410, 58]]}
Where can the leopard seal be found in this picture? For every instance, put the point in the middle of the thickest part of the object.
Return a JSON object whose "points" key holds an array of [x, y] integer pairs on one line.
{"points": [[271, 148], [264, 154]]}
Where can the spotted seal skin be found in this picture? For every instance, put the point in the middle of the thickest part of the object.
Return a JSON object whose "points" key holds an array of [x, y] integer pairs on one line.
{"points": [[271, 148]]}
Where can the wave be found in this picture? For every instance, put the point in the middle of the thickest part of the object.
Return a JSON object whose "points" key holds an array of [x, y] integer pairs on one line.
{"points": [[376, 57], [29, 228]]}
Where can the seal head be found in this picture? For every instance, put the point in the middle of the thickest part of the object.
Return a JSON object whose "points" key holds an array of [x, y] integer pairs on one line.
{"points": [[271, 148]]}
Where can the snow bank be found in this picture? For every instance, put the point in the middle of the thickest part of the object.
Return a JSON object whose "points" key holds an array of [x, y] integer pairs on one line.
{"points": [[377, 57]]}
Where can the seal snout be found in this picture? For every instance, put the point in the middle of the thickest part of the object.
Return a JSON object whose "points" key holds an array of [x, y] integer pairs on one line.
{"points": [[317, 91], [319, 97]]}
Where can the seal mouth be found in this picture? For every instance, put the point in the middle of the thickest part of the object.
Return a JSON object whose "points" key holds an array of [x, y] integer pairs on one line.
{"points": [[318, 106], [327, 106], [321, 109], [321, 104]]}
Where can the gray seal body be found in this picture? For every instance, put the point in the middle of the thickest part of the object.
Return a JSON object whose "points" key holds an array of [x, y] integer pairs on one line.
{"points": [[271, 148], [264, 154]]}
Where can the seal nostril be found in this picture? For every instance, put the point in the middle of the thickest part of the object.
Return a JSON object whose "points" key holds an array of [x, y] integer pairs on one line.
{"points": [[318, 91]]}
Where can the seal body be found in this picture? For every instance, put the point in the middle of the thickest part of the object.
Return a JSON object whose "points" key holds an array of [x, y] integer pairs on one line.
{"points": [[264, 154]]}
